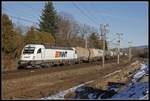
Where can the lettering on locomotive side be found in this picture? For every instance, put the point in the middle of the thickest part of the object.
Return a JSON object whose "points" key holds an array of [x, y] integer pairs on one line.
{"points": [[60, 54]]}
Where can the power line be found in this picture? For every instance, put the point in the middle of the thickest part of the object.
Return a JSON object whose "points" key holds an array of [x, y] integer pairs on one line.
{"points": [[90, 13], [23, 19], [97, 12], [34, 9], [30, 7], [84, 13], [20, 11], [20, 18]]}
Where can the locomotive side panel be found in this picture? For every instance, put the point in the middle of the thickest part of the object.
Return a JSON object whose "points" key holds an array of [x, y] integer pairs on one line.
{"points": [[56, 54]]}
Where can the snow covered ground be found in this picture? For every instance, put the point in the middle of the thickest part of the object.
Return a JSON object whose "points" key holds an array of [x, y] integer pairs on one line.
{"points": [[61, 94], [135, 89], [140, 73], [138, 90]]}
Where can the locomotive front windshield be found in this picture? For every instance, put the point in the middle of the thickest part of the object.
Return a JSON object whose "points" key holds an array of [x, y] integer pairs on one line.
{"points": [[28, 50]]}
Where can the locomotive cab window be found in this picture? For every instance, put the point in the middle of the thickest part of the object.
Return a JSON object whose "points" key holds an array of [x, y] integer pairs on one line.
{"points": [[28, 50], [39, 51]]}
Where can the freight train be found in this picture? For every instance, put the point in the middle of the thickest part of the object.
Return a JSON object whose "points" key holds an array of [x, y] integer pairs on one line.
{"points": [[43, 55]]}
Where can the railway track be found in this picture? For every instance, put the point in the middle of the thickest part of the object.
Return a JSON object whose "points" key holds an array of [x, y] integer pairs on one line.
{"points": [[31, 72]]}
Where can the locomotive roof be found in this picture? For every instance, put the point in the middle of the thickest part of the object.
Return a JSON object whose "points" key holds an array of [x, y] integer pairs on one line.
{"points": [[48, 46], [56, 47]]}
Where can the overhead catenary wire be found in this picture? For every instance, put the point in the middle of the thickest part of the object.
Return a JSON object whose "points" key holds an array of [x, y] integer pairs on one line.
{"points": [[22, 19], [94, 17], [83, 13], [95, 8], [27, 20], [30, 7], [20, 11], [30, 21]]}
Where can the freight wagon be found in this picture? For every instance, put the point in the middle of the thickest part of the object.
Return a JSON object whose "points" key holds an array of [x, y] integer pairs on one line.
{"points": [[83, 54], [95, 54]]}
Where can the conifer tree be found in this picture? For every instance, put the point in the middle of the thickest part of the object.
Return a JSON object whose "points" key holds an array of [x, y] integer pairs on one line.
{"points": [[49, 19]]}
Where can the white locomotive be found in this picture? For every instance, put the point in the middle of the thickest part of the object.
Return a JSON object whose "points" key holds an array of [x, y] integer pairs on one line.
{"points": [[41, 55]]}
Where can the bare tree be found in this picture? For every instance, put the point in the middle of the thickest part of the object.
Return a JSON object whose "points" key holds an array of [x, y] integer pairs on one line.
{"points": [[71, 32], [68, 28]]}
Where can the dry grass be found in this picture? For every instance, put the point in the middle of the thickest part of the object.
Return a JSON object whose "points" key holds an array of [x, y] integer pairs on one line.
{"points": [[9, 64]]}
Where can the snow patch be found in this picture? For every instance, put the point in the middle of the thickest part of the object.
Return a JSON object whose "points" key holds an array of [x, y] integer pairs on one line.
{"points": [[135, 91], [140, 73], [61, 94]]}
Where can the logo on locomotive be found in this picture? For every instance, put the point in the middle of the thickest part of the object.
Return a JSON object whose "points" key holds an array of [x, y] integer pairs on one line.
{"points": [[60, 54]]}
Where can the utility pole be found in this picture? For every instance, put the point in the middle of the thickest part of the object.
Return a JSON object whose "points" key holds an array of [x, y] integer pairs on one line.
{"points": [[84, 31], [130, 51], [103, 33], [86, 41], [118, 56]]}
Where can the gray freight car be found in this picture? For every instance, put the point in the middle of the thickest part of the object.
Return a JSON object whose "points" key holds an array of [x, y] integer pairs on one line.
{"points": [[95, 54], [82, 54]]}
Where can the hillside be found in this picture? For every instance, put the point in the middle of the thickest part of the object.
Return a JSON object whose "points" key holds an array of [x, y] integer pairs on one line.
{"points": [[141, 51]]}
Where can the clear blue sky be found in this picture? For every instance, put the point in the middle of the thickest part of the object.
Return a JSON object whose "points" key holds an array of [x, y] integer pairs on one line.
{"points": [[129, 18]]}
